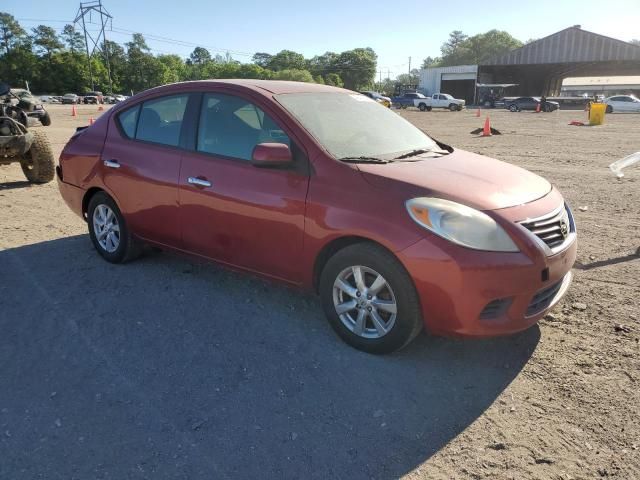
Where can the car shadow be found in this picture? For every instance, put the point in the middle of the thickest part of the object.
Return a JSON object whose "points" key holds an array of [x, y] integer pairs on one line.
{"points": [[14, 185], [609, 261], [167, 368]]}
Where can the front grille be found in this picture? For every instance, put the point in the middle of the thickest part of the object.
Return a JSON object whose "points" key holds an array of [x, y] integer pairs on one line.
{"points": [[543, 299], [552, 229]]}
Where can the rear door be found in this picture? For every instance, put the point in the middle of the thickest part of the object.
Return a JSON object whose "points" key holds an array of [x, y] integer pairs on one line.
{"points": [[232, 211], [141, 166]]}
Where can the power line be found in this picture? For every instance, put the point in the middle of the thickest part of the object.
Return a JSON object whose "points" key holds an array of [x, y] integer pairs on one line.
{"points": [[183, 43]]}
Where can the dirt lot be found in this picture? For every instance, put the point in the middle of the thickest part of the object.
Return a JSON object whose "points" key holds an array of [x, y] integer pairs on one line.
{"points": [[167, 368]]}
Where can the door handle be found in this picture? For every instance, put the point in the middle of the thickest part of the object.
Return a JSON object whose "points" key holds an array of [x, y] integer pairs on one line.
{"points": [[111, 164], [199, 182]]}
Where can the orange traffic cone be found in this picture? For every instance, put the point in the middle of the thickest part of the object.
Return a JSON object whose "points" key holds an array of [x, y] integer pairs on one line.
{"points": [[478, 113], [537, 108], [73, 111], [486, 131], [90, 120]]}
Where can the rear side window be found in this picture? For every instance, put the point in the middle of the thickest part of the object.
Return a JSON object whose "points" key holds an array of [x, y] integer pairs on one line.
{"points": [[161, 120], [231, 126], [128, 120]]}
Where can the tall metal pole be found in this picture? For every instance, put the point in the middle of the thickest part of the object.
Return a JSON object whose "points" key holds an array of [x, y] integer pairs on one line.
{"points": [[86, 45], [409, 67], [105, 49], [86, 8]]}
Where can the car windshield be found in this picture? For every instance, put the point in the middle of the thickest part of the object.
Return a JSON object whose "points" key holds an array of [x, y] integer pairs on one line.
{"points": [[447, 96], [352, 126]]}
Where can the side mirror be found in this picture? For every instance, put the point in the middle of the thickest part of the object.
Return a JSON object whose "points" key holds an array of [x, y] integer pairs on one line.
{"points": [[271, 155], [4, 89]]}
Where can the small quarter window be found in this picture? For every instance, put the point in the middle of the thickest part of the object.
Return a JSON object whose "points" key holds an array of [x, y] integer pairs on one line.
{"points": [[128, 119]]}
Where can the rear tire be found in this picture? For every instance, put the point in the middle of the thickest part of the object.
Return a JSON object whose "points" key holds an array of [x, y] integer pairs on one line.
{"points": [[38, 164], [513, 107], [609, 109], [109, 232], [380, 331], [422, 107]]}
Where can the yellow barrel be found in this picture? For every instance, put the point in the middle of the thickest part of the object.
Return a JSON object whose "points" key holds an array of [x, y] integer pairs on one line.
{"points": [[596, 113]]}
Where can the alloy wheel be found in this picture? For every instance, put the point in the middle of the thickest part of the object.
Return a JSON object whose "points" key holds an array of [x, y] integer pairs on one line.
{"points": [[364, 302], [106, 228]]}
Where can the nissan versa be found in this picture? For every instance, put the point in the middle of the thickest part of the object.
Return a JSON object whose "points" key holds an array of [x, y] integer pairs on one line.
{"points": [[324, 188]]}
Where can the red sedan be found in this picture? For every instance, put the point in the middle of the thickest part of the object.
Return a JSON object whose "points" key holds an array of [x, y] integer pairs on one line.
{"points": [[323, 188]]}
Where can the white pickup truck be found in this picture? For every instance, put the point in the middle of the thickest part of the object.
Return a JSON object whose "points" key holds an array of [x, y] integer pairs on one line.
{"points": [[439, 100]]}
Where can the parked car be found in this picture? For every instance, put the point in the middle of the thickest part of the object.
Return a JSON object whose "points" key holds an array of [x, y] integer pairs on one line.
{"points": [[407, 99], [530, 103], [439, 100], [70, 98], [93, 98], [386, 101], [622, 103], [320, 188]]}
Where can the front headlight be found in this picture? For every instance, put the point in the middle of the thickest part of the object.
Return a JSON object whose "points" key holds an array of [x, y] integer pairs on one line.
{"points": [[460, 224]]}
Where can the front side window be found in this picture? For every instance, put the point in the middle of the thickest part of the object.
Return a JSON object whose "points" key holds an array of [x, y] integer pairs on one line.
{"points": [[231, 126], [161, 120], [351, 125]]}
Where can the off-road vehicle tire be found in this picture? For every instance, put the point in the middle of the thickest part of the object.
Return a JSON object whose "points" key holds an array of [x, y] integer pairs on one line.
{"points": [[39, 164], [45, 120]]}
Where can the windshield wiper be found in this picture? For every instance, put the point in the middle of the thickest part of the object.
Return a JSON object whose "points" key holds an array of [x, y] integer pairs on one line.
{"points": [[419, 151], [363, 159]]}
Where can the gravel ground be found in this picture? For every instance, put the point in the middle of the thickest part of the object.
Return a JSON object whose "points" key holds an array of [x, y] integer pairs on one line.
{"points": [[170, 368]]}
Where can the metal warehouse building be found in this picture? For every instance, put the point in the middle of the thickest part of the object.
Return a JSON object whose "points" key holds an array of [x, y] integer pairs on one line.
{"points": [[539, 67]]}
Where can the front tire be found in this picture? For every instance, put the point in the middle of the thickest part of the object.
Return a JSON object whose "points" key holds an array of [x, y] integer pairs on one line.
{"points": [[453, 107], [109, 232], [609, 109], [513, 108], [39, 164], [369, 299]]}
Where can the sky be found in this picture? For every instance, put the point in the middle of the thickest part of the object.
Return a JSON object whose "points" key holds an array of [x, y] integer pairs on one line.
{"points": [[396, 32]]}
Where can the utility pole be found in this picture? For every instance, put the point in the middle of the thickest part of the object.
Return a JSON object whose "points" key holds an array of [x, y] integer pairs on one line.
{"points": [[86, 10], [409, 66]]}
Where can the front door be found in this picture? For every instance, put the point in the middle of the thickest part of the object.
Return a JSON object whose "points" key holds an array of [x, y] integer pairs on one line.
{"points": [[141, 166], [232, 211]]}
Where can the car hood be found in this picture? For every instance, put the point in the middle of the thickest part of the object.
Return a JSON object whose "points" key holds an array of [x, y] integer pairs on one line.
{"points": [[464, 177]]}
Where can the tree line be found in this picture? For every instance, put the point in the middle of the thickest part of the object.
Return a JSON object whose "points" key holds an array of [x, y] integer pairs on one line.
{"points": [[57, 63]]}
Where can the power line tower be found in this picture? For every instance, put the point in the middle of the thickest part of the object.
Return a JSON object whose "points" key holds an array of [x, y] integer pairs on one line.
{"points": [[85, 15]]}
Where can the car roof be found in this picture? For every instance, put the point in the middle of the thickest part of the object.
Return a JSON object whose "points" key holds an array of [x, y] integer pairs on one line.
{"points": [[264, 87]]}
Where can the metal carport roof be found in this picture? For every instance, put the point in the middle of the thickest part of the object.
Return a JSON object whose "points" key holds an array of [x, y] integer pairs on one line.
{"points": [[571, 45]]}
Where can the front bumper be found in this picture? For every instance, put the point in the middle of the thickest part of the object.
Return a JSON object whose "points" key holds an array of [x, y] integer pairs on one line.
{"points": [[37, 113], [479, 294]]}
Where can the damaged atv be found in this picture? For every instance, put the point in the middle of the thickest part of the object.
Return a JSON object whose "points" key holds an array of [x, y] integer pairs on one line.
{"points": [[18, 145]]}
